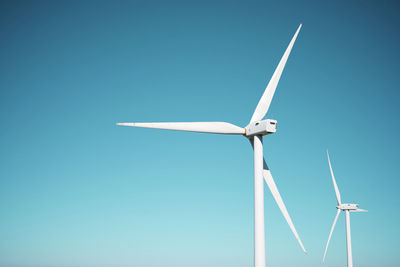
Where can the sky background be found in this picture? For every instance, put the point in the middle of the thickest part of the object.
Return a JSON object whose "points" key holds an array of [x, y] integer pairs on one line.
{"points": [[78, 191]]}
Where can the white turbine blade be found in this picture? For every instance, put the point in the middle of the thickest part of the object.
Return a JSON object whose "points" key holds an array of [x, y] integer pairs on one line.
{"points": [[275, 193], [202, 127], [278, 199], [265, 101], [359, 210], [330, 234], [334, 181]]}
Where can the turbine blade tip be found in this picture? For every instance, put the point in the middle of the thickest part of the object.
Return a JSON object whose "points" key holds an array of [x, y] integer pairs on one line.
{"points": [[299, 28], [125, 124]]}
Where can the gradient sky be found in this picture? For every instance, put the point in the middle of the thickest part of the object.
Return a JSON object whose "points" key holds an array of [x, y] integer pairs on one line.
{"points": [[78, 191]]}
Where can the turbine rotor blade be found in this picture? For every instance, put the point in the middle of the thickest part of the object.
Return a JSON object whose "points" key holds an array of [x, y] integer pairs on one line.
{"points": [[265, 101], [334, 181], [201, 127], [330, 234], [359, 210], [278, 199]]}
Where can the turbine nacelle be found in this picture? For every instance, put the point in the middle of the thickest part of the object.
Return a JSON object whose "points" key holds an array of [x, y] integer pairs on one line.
{"points": [[263, 127], [347, 206]]}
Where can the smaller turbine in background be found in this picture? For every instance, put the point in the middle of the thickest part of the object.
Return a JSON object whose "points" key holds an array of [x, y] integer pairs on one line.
{"points": [[347, 208]]}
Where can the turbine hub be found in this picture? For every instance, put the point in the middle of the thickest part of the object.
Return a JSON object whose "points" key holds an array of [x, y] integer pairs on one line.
{"points": [[261, 127]]}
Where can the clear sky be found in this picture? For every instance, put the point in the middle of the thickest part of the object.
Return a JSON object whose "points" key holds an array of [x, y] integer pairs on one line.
{"points": [[78, 191]]}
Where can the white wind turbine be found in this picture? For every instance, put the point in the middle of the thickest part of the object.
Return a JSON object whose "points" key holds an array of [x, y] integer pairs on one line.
{"points": [[254, 131], [347, 208]]}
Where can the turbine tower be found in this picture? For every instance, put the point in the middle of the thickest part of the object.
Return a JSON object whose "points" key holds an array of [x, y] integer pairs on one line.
{"points": [[347, 208], [254, 131]]}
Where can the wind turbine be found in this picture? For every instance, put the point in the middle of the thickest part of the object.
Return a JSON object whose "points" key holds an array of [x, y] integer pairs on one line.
{"points": [[254, 131], [347, 208]]}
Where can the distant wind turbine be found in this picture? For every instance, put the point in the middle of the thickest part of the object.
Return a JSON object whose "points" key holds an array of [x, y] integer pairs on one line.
{"points": [[347, 208], [254, 131]]}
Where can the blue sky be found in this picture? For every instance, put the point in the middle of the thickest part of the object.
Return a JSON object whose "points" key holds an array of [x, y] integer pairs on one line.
{"points": [[77, 191]]}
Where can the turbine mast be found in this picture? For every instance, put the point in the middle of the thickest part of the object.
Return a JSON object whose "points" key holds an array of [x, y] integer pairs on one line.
{"points": [[348, 235], [259, 228]]}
